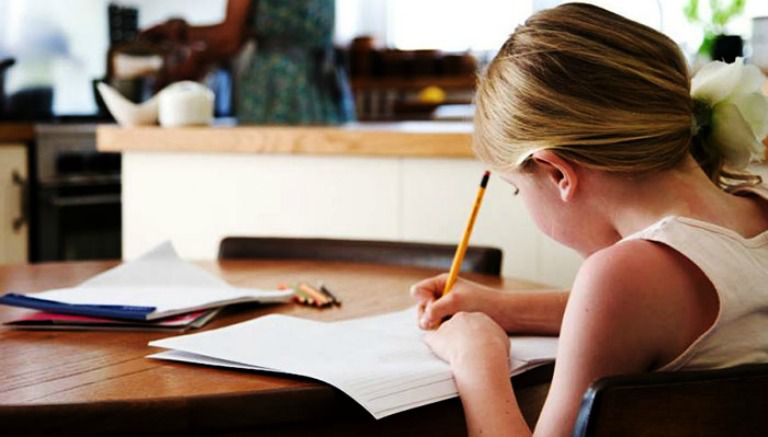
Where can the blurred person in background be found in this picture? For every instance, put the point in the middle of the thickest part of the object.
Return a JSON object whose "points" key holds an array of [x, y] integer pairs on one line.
{"points": [[294, 76]]}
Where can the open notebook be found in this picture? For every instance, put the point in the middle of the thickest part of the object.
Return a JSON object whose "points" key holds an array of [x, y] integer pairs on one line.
{"points": [[381, 362]]}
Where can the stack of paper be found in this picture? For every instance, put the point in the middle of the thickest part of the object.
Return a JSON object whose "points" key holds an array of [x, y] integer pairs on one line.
{"points": [[381, 362], [155, 286]]}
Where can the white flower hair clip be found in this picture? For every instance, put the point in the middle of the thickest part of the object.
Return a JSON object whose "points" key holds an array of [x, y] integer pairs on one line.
{"points": [[735, 110]]}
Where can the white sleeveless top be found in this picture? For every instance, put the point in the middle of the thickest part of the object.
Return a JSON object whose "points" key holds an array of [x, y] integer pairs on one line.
{"points": [[738, 269]]}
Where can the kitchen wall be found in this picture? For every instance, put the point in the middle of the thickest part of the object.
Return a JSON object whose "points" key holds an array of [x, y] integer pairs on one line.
{"points": [[56, 43], [194, 11], [63, 44], [484, 24]]}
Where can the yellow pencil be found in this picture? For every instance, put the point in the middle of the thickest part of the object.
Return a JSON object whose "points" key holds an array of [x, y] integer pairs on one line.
{"points": [[458, 258]]}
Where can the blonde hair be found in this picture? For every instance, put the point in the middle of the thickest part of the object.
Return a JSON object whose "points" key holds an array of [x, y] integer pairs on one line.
{"points": [[596, 88]]}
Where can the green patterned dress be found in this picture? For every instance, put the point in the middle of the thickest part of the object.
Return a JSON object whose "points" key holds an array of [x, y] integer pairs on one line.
{"points": [[293, 77]]}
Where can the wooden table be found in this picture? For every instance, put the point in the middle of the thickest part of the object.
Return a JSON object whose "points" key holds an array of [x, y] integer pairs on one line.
{"points": [[66, 382]]}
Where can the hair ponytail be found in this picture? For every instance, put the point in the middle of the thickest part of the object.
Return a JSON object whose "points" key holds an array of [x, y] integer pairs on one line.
{"points": [[603, 91]]}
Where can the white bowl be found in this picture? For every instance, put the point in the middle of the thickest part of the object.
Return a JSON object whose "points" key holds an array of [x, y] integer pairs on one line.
{"points": [[126, 112]]}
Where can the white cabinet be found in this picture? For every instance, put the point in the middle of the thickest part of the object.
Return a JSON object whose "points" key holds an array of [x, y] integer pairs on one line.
{"points": [[196, 199], [13, 223]]}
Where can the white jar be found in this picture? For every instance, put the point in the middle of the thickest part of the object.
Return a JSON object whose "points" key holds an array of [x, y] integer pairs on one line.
{"points": [[185, 103]]}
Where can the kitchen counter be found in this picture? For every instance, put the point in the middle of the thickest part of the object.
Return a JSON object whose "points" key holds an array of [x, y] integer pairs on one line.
{"points": [[16, 132], [404, 139], [408, 181]]}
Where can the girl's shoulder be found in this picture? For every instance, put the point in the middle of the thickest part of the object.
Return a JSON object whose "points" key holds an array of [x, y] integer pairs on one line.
{"points": [[651, 289], [629, 311], [633, 269], [639, 259], [640, 268]]}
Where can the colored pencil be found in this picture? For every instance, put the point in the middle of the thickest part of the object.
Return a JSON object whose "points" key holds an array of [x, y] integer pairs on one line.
{"points": [[332, 296], [318, 297], [302, 297]]}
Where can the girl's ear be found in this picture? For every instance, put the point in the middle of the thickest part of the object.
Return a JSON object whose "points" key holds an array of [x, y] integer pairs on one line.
{"points": [[560, 172]]}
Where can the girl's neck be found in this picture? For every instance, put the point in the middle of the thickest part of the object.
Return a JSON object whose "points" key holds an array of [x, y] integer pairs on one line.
{"points": [[685, 191]]}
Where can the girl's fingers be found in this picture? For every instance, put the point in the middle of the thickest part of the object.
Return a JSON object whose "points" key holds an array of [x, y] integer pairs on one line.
{"points": [[430, 287], [437, 310]]}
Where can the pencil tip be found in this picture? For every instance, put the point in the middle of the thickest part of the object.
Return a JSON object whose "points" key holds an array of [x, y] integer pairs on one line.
{"points": [[484, 182]]}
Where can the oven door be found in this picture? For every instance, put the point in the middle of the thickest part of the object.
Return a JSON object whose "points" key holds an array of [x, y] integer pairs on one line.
{"points": [[79, 223]]}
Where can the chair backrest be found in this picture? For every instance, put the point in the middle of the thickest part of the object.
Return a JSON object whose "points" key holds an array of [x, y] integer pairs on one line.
{"points": [[723, 402], [486, 260]]}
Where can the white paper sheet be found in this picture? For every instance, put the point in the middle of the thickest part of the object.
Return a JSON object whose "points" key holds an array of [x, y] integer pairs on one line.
{"points": [[381, 362], [159, 267], [162, 280]]}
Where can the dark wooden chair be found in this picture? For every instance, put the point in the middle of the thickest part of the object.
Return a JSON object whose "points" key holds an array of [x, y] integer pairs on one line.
{"points": [[723, 402], [486, 260]]}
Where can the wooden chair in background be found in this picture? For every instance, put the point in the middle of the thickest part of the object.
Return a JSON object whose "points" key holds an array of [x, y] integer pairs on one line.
{"points": [[722, 402], [485, 260]]}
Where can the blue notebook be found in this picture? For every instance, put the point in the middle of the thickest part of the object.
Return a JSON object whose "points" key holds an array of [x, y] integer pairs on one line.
{"points": [[108, 311], [140, 302]]}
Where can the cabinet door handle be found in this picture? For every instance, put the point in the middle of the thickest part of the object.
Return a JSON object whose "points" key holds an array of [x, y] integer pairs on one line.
{"points": [[23, 185]]}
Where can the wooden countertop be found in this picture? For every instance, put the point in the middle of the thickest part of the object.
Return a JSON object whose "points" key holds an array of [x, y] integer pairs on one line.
{"points": [[415, 139], [16, 132], [406, 139]]}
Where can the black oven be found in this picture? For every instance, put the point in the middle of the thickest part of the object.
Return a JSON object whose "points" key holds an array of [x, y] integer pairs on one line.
{"points": [[76, 196]]}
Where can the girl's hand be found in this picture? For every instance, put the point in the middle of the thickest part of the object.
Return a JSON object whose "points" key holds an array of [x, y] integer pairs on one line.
{"points": [[477, 349], [469, 296], [469, 342]]}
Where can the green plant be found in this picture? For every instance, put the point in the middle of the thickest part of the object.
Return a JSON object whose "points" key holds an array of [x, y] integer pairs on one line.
{"points": [[720, 14]]}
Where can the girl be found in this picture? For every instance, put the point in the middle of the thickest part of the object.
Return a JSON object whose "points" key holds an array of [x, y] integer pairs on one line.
{"points": [[590, 116]]}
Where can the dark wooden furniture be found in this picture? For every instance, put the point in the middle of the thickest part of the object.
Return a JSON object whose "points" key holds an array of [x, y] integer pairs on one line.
{"points": [[723, 402], [100, 383], [485, 260], [16, 132]]}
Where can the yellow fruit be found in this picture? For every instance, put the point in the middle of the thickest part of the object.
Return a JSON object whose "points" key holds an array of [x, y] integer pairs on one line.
{"points": [[432, 94]]}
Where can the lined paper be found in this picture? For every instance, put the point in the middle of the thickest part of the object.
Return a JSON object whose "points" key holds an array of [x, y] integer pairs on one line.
{"points": [[381, 362]]}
